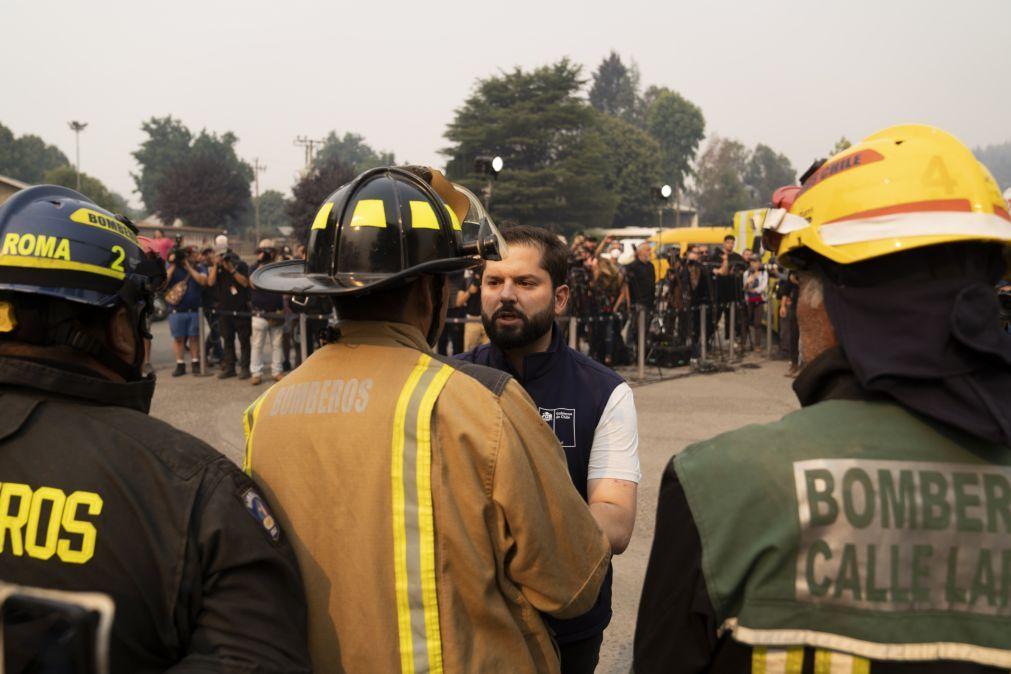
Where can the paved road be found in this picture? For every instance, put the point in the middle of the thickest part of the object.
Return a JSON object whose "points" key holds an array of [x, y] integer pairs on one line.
{"points": [[672, 414]]}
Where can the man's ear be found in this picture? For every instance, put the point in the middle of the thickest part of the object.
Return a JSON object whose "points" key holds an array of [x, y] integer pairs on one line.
{"points": [[561, 299], [121, 335]]}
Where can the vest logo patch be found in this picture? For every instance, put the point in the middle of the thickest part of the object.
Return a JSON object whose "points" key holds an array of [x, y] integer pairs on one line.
{"points": [[904, 535], [257, 507], [562, 421]]}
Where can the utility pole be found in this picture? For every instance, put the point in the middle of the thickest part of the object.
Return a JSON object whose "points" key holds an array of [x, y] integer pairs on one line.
{"points": [[677, 205], [257, 169], [310, 147], [77, 128]]}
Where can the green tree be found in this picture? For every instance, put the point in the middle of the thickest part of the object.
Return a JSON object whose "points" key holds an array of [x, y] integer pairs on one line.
{"points": [[312, 189], [842, 144], [721, 187], [352, 150], [27, 158], [549, 139], [632, 171], [207, 187], [168, 142], [273, 210], [678, 126], [615, 89], [768, 170], [997, 158]]}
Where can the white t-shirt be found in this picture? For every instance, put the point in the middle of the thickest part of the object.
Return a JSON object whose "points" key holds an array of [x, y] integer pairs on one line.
{"points": [[615, 450]]}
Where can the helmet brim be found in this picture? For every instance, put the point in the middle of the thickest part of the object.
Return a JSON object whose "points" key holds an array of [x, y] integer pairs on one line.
{"points": [[289, 277]]}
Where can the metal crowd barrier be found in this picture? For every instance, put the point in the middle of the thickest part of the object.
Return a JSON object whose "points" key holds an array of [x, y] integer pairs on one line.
{"points": [[573, 321]]}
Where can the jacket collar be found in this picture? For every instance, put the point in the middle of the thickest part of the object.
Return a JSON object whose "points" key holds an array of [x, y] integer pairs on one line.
{"points": [[535, 365], [382, 333], [52, 378], [830, 377]]}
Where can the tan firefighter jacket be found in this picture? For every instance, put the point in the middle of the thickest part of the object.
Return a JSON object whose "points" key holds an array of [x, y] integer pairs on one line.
{"points": [[430, 508]]}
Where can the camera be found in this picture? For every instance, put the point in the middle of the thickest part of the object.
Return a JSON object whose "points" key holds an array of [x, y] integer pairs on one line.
{"points": [[177, 255], [231, 258]]}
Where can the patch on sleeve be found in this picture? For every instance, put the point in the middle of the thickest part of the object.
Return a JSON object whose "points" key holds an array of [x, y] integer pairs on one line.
{"points": [[257, 507]]}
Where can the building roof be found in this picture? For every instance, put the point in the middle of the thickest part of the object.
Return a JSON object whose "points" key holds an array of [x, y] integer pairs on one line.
{"points": [[16, 184]]}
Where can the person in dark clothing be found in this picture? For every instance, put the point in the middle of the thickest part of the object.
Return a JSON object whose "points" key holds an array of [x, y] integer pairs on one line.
{"points": [[229, 275], [452, 334], [641, 277], [98, 497], [213, 350], [867, 538], [589, 407], [788, 292]]}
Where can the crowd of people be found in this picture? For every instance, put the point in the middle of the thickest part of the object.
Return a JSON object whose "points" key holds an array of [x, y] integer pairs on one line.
{"points": [[402, 511], [249, 334]]}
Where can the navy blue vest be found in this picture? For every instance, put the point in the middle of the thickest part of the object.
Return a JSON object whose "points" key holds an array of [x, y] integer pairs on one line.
{"points": [[571, 392]]}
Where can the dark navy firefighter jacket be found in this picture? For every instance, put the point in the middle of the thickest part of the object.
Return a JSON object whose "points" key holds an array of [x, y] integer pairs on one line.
{"points": [[571, 392]]}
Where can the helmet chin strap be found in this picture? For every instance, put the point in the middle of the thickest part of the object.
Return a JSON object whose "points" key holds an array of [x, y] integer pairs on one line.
{"points": [[438, 283], [64, 330]]}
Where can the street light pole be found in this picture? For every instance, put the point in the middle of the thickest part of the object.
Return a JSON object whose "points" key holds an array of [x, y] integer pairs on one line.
{"points": [[77, 128], [490, 167], [257, 168]]}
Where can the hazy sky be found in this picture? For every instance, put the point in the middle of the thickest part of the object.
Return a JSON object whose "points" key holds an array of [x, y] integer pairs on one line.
{"points": [[794, 75]]}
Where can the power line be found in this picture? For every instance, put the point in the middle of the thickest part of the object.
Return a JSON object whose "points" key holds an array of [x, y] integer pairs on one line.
{"points": [[310, 147]]}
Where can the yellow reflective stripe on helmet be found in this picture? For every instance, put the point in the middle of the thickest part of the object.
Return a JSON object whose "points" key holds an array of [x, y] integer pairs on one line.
{"points": [[369, 213], [423, 216], [86, 216], [454, 219], [63, 265], [413, 518], [322, 215], [765, 660], [248, 423], [830, 662]]}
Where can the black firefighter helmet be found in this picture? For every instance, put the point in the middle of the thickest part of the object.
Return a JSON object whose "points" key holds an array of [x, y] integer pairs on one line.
{"points": [[383, 229]]}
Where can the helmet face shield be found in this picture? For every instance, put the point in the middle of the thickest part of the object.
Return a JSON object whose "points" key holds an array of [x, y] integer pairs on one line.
{"points": [[480, 234]]}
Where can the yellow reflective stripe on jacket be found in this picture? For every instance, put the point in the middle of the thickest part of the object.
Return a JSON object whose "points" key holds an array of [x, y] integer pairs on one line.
{"points": [[248, 421], [829, 662], [766, 660], [413, 518]]}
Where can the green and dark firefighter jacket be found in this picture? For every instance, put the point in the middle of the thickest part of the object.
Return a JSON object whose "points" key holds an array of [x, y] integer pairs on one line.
{"points": [[851, 536]]}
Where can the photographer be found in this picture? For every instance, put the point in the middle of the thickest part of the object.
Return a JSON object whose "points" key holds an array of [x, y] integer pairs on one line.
{"points": [[267, 322], [184, 282], [728, 276], [213, 350], [229, 276]]}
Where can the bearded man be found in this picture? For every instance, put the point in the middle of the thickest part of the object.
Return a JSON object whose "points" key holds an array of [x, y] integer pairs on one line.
{"points": [[589, 406]]}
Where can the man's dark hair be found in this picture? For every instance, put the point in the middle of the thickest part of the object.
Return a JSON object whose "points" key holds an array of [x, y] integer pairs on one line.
{"points": [[554, 253], [729, 237]]}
